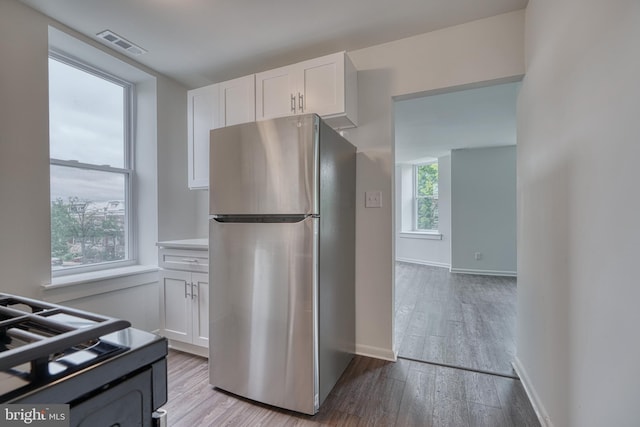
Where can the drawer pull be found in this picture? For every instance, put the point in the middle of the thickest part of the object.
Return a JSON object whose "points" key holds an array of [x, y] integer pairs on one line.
{"points": [[189, 260]]}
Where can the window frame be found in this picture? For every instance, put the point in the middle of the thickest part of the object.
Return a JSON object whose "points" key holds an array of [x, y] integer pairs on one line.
{"points": [[416, 197], [127, 170]]}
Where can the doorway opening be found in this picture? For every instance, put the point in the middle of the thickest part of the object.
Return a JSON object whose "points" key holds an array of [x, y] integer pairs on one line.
{"points": [[455, 230]]}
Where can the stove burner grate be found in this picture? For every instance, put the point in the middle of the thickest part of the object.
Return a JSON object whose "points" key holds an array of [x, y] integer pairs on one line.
{"points": [[48, 337]]}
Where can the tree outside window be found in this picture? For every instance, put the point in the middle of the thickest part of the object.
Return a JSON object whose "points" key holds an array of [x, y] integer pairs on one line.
{"points": [[426, 196]]}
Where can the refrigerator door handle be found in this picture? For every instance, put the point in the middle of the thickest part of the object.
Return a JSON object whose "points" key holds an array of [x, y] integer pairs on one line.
{"points": [[266, 219]]}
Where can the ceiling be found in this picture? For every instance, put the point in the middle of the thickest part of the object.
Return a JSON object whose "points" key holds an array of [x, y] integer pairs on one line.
{"points": [[432, 126], [198, 42]]}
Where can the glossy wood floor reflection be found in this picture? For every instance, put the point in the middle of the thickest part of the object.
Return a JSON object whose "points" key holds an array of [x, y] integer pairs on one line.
{"points": [[455, 319], [371, 392]]}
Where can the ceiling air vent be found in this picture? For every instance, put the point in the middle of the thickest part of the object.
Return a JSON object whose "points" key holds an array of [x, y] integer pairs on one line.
{"points": [[120, 42]]}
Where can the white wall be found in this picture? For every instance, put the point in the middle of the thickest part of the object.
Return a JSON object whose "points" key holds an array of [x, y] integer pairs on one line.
{"points": [[25, 250], [483, 210], [178, 208], [481, 51], [24, 170], [416, 248], [578, 211]]}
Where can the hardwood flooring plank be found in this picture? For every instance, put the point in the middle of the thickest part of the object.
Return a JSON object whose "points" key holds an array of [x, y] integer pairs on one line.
{"points": [[356, 393], [418, 324], [450, 384], [474, 314], [413, 346], [434, 348], [417, 402], [480, 388], [384, 402], [487, 416], [451, 413], [371, 392], [397, 370], [515, 403]]}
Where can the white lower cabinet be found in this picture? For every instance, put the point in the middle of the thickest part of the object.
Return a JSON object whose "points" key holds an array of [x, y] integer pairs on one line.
{"points": [[184, 309]]}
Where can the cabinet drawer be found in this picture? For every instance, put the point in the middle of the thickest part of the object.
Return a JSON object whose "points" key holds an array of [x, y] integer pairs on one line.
{"points": [[184, 259]]}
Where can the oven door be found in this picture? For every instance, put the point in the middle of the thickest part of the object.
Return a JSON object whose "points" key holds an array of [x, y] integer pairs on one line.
{"points": [[127, 403]]}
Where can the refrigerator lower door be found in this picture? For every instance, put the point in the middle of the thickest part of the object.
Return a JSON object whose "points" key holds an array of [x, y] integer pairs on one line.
{"points": [[263, 327]]}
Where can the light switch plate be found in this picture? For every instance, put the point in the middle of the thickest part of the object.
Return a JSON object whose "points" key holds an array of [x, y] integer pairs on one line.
{"points": [[373, 199]]}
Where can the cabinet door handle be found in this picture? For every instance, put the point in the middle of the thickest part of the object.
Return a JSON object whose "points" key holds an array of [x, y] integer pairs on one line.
{"points": [[194, 287], [293, 103], [301, 102], [186, 292]]}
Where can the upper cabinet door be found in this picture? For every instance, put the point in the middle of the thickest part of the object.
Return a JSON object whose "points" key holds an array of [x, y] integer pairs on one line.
{"points": [[203, 116], [326, 86], [321, 85], [276, 93], [237, 101]]}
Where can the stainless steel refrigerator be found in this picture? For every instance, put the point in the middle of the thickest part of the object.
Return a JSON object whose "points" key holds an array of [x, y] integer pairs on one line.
{"points": [[282, 260]]}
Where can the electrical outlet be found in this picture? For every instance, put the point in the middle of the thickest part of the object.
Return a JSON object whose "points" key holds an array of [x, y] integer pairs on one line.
{"points": [[373, 199], [478, 256]]}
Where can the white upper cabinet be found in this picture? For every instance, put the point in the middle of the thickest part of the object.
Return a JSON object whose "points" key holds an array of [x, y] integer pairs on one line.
{"points": [[203, 115], [211, 107], [237, 101], [276, 93], [326, 86]]}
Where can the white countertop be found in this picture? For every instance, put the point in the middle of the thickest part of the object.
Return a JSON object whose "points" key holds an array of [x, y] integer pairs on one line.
{"points": [[201, 244]]}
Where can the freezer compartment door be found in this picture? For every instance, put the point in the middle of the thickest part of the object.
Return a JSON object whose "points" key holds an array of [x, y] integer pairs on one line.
{"points": [[268, 167], [263, 330]]}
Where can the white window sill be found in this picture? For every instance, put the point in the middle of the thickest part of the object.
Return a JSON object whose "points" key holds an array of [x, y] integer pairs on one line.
{"points": [[74, 286], [429, 235], [94, 276]]}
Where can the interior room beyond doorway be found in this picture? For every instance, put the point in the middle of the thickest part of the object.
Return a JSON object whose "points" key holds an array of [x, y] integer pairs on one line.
{"points": [[455, 231]]}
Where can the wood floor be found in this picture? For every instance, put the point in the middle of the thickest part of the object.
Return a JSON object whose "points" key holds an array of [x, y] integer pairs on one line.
{"points": [[371, 392], [455, 319]]}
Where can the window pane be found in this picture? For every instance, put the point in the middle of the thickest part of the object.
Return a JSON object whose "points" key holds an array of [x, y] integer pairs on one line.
{"points": [[427, 180], [427, 211], [86, 117], [88, 223]]}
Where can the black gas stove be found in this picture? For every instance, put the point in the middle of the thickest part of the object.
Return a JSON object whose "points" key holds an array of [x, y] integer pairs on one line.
{"points": [[107, 372]]}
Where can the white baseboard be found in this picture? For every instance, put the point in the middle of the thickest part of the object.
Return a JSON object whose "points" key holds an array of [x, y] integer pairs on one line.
{"points": [[376, 352], [541, 413], [484, 272], [189, 348], [422, 262]]}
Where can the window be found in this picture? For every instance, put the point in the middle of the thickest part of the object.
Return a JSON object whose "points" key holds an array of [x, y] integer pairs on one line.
{"points": [[90, 144], [426, 196]]}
